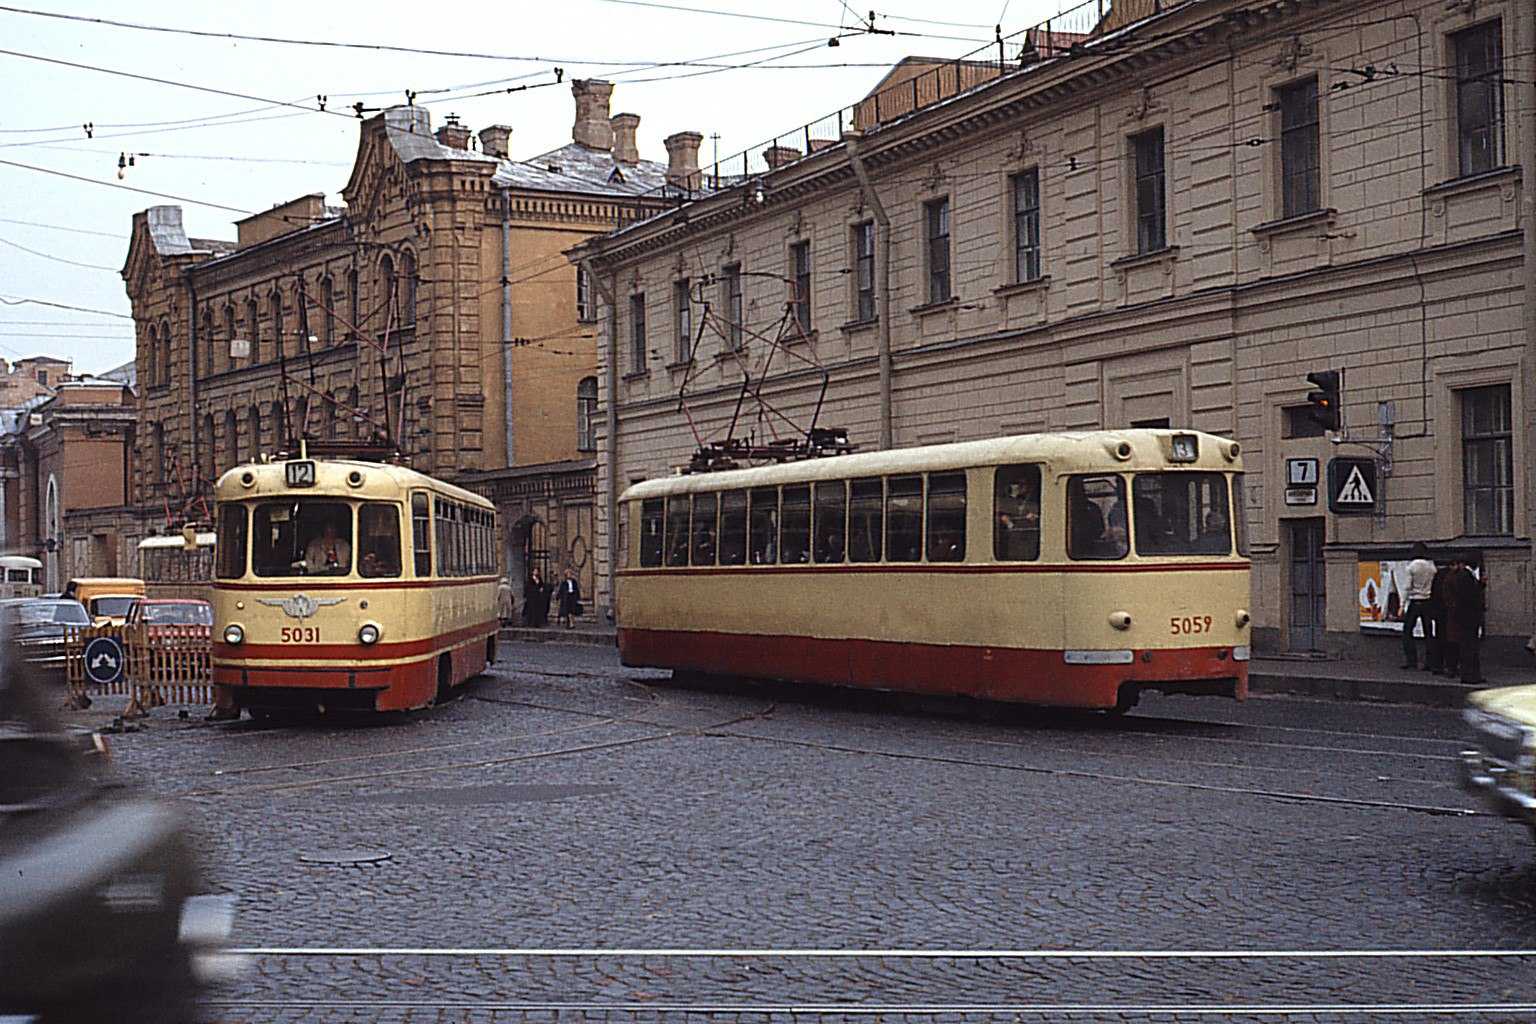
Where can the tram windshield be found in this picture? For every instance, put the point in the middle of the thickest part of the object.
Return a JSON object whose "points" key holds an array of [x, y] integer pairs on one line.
{"points": [[301, 538], [1181, 514]]}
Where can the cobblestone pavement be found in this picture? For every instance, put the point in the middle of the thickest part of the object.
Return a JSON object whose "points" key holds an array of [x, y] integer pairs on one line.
{"points": [[564, 803]]}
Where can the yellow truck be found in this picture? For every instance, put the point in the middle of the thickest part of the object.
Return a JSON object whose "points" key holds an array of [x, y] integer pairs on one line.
{"points": [[1501, 768]]}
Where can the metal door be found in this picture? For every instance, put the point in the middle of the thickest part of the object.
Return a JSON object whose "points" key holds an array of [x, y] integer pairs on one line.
{"points": [[1307, 589]]}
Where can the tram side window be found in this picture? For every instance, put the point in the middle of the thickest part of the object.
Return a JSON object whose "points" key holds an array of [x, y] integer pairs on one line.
{"points": [[1181, 514], [904, 519], [1016, 514], [704, 508], [733, 528], [677, 530], [231, 544], [421, 534], [830, 522], [651, 515], [866, 520], [1096, 518], [378, 526], [795, 525], [946, 517], [763, 533]]}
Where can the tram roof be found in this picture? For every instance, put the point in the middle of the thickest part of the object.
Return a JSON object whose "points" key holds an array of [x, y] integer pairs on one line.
{"points": [[381, 481], [1073, 452]]}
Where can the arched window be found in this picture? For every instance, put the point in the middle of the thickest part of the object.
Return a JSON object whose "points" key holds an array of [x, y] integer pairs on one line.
{"points": [[408, 296], [208, 451], [586, 415], [231, 440], [157, 454], [387, 284], [278, 340], [224, 361], [205, 343], [279, 426], [150, 371], [354, 304], [328, 416], [301, 416], [165, 352], [328, 314], [253, 432], [253, 329]]}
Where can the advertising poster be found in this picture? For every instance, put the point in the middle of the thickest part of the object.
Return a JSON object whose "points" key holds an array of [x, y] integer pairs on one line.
{"points": [[1382, 596]]}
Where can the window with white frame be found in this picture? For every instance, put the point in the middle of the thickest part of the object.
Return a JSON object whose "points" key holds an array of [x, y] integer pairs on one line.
{"points": [[1487, 461], [864, 271], [1151, 204], [800, 272], [1026, 226], [682, 312], [1479, 57], [936, 218], [637, 333], [586, 415], [735, 313], [584, 310], [1300, 149]]}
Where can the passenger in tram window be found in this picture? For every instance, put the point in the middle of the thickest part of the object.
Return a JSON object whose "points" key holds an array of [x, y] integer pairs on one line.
{"points": [[1016, 498], [830, 547], [1096, 517]]}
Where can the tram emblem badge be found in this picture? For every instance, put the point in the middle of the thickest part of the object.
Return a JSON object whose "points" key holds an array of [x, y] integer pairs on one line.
{"points": [[299, 606]]}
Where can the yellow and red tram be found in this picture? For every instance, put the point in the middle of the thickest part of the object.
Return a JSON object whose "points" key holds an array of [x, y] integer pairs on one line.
{"points": [[349, 585], [1073, 569]]}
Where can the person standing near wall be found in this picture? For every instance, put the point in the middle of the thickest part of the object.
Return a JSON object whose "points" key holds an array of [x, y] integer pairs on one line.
{"points": [[1421, 579], [1465, 610]]}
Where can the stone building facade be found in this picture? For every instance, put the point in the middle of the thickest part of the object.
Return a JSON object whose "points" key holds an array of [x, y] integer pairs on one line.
{"points": [[1172, 223], [434, 313]]}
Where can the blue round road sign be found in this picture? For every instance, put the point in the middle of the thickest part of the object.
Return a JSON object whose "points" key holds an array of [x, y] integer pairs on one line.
{"points": [[104, 660]]}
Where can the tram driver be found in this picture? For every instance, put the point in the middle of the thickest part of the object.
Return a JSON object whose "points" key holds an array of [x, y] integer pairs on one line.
{"points": [[328, 554]]}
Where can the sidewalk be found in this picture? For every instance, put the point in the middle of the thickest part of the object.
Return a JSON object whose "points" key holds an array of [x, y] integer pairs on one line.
{"points": [[1371, 680], [587, 631]]}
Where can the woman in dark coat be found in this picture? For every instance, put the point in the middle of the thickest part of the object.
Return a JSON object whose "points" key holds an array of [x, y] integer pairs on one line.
{"points": [[536, 601], [1464, 606], [569, 594]]}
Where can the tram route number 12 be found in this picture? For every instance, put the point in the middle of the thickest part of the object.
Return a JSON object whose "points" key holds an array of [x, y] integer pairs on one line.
{"points": [[300, 634], [1189, 625]]}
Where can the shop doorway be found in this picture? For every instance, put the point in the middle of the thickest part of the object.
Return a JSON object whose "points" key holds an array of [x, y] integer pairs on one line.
{"points": [[1307, 579]]}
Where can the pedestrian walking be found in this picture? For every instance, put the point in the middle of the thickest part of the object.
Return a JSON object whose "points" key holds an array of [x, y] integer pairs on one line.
{"points": [[568, 597], [1420, 587], [1465, 611], [536, 601], [506, 603]]}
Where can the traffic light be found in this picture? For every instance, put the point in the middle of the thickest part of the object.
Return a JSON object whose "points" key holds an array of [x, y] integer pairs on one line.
{"points": [[1325, 400]]}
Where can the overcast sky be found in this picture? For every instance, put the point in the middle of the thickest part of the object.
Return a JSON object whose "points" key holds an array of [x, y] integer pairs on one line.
{"points": [[266, 153]]}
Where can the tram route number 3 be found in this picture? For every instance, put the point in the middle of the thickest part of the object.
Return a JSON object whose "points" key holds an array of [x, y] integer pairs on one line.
{"points": [[305, 634], [1189, 625]]}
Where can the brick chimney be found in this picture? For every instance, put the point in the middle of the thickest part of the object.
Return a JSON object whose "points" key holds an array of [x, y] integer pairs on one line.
{"points": [[592, 128], [683, 159], [625, 149], [493, 140], [453, 134], [778, 156]]}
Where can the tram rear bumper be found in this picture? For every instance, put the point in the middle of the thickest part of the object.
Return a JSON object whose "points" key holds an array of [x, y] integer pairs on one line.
{"points": [[1493, 782]]}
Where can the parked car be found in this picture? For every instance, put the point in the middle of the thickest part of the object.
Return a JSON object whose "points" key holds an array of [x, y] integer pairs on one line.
{"points": [[166, 611], [1501, 769], [106, 597], [38, 627], [102, 916]]}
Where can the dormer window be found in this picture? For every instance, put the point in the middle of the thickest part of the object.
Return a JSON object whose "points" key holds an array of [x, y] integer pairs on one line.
{"points": [[617, 175]]}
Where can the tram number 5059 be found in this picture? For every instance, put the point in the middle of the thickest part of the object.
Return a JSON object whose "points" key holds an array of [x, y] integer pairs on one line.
{"points": [[300, 634], [1189, 625]]}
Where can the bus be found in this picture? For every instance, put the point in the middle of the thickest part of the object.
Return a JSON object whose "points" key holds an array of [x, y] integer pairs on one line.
{"points": [[343, 584], [1070, 569], [178, 566], [20, 576]]}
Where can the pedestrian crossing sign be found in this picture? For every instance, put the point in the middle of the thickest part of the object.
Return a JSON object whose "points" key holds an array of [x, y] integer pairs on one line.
{"points": [[1352, 486]]}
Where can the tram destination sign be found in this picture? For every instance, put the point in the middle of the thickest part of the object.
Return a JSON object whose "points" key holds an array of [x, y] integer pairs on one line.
{"points": [[1352, 487]]}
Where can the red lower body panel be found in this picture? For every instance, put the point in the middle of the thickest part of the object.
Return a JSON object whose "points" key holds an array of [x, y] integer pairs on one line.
{"points": [[397, 687], [993, 673]]}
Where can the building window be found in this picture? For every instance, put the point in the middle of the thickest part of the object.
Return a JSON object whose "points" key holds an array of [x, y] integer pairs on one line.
{"points": [[682, 305], [328, 314], [637, 333], [157, 452], [231, 439], [1299, 422], [151, 355], [936, 214], [584, 310], [586, 415], [253, 328], [800, 267], [1487, 459], [229, 334], [1026, 226], [387, 294], [208, 455], [408, 299], [864, 271], [1300, 149], [206, 343], [165, 352], [42, 377], [730, 283], [1151, 197], [277, 323], [1479, 98], [354, 304]]}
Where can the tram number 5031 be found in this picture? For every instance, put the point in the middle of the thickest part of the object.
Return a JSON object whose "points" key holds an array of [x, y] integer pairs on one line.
{"points": [[1189, 625], [303, 634]]}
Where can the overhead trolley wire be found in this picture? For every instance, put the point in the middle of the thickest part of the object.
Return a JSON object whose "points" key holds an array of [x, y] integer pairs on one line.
{"points": [[128, 188]]}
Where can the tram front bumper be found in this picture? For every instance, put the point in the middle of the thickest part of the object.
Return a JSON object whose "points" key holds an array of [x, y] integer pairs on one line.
{"points": [[1496, 784]]}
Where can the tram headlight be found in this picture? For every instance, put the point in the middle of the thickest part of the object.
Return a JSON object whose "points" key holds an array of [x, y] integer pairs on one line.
{"points": [[233, 634], [368, 633]]}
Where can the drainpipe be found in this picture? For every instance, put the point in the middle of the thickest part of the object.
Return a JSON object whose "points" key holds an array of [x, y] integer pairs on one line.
{"points": [[506, 315], [611, 426], [882, 299]]}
